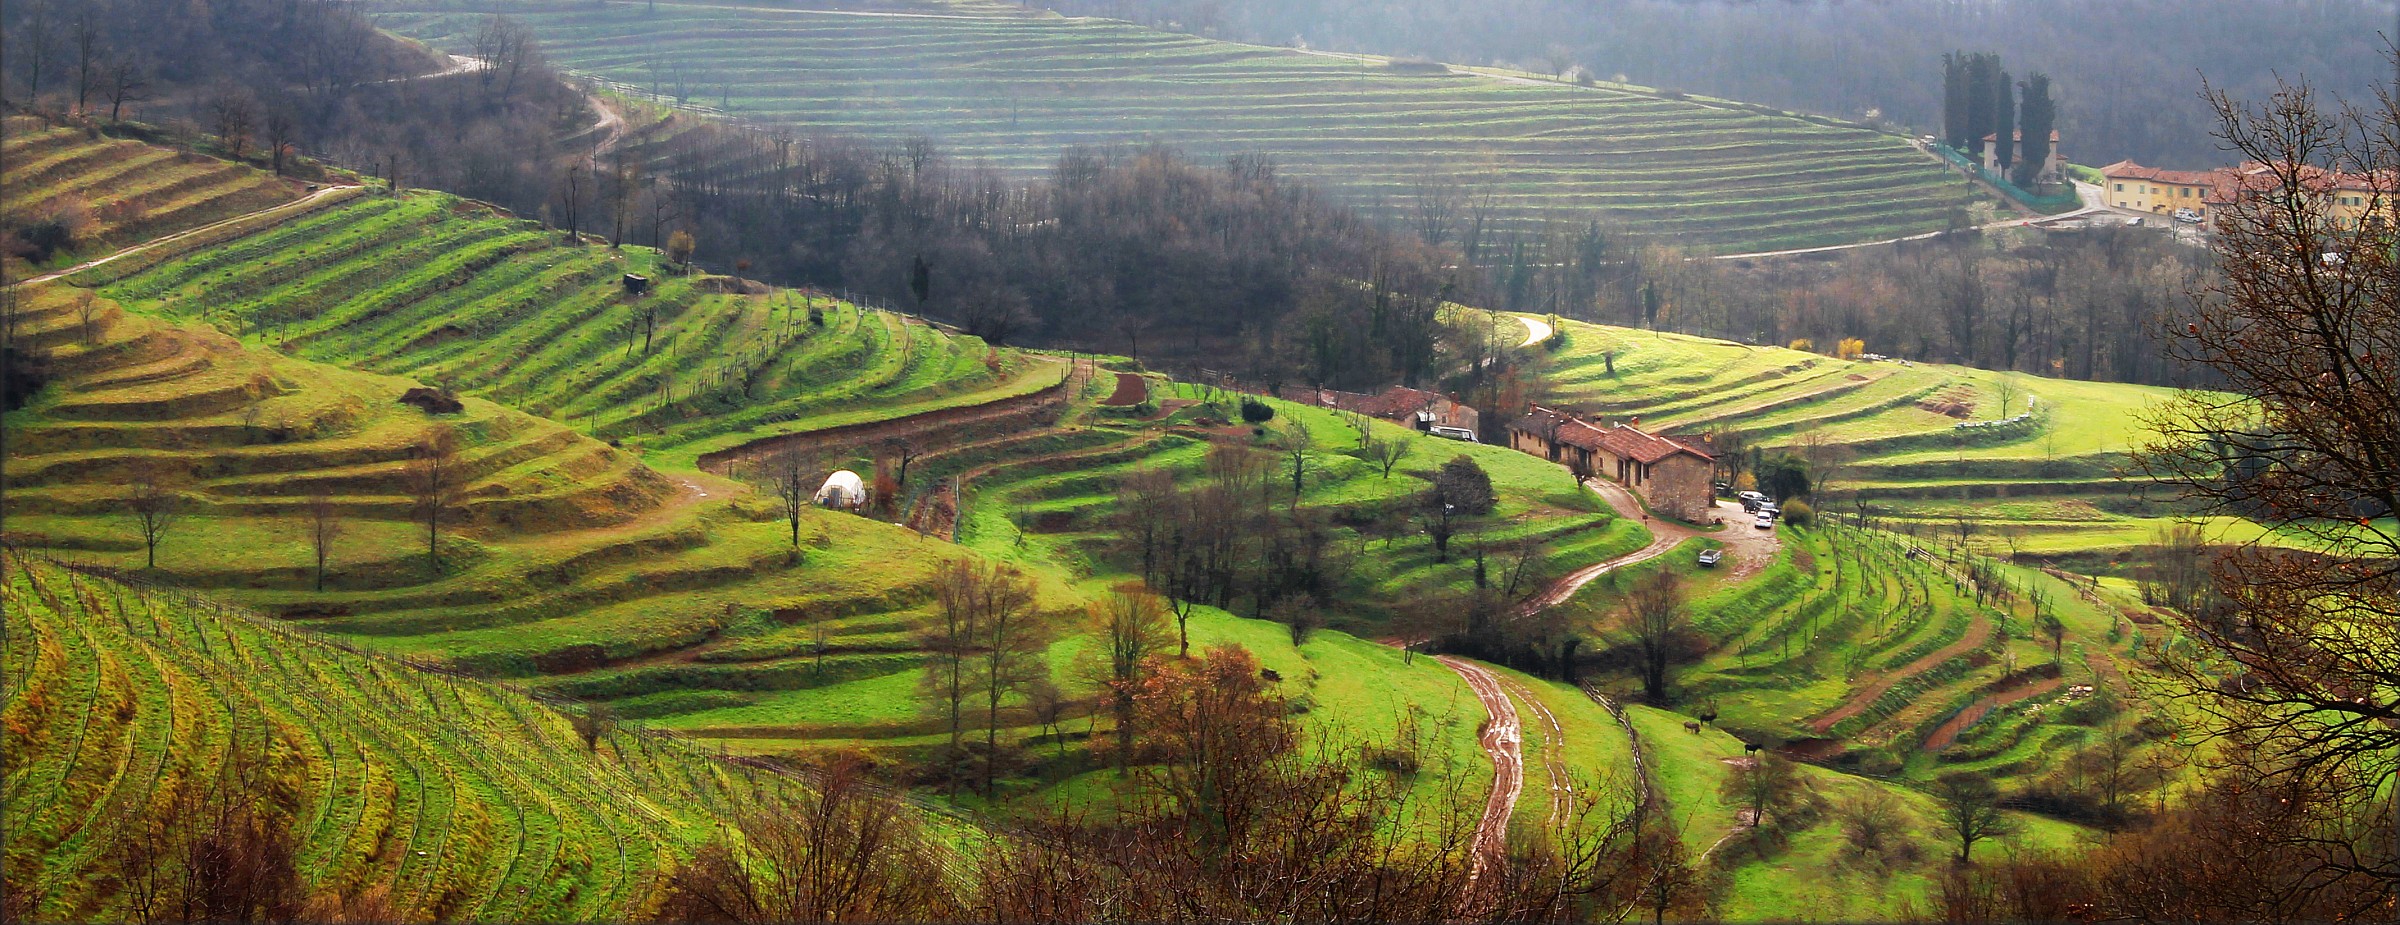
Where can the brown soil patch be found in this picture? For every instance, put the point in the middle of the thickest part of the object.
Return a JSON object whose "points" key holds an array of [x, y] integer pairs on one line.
{"points": [[1131, 389], [1977, 633], [1947, 733]]}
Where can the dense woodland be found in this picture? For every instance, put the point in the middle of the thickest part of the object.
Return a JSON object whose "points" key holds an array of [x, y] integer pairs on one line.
{"points": [[1133, 252], [2127, 74]]}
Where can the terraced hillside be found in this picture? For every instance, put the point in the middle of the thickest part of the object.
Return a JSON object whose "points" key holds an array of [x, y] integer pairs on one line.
{"points": [[1016, 90], [2043, 458], [407, 793], [124, 192], [449, 291], [246, 439]]}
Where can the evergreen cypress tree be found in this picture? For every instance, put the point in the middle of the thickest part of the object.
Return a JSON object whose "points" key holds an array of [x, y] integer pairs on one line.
{"points": [[1954, 99], [1982, 69], [2004, 123], [2038, 115]]}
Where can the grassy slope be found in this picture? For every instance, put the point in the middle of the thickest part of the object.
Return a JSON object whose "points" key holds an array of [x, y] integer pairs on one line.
{"points": [[463, 799], [2060, 478], [132, 192], [449, 291], [1016, 90]]}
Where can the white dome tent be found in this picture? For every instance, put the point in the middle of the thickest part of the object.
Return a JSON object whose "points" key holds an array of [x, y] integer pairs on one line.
{"points": [[842, 489]]}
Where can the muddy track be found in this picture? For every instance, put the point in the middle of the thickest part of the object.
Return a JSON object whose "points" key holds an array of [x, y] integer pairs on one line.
{"points": [[1501, 740], [1554, 759], [1664, 536]]}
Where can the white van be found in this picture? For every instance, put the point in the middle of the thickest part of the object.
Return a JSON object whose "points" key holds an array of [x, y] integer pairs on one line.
{"points": [[2188, 216], [1454, 433]]}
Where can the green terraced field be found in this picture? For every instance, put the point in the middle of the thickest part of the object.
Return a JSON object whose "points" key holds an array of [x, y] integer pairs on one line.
{"points": [[132, 192], [1893, 431], [1016, 90], [457, 799], [448, 291]]}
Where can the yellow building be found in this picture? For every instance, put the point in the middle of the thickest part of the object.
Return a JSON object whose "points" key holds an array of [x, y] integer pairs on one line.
{"points": [[2348, 197], [2150, 189]]}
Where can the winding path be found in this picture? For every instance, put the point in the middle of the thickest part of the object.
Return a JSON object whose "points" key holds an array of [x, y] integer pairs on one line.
{"points": [[301, 204], [1501, 739]]}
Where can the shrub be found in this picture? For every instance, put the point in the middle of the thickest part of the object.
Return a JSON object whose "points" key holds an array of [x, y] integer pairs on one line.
{"points": [[1797, 513], [1256, 412]]}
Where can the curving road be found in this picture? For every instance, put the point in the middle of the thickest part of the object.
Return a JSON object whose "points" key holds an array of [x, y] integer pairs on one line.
{"points": [[1501, 739]]}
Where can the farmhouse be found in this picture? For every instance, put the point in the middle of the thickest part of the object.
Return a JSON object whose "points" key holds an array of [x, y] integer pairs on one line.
{"points": [[1669, 475], [1416, 408]]}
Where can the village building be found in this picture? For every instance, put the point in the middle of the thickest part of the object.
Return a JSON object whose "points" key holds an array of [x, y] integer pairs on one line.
{"points": [[2151, 189], [1414, 408], [1672, 476], [2349, 197], [2052, 166]]}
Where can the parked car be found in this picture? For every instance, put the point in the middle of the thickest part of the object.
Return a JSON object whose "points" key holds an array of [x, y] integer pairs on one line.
{"points": [[2188, 216], [1454, 433], [1769, 509], [1710, 557], [1765, 521]]}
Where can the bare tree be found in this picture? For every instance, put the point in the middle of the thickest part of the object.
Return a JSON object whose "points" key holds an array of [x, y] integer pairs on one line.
{"points": [[124, 81], [1131, 626], [436, 484], [88, 53], [1654, 613], [1295, 444], [1388, 452], [155, 508], [2298, 651], [837, 851], [283, 134], [1014, 636], [232, 117], [87, 315], [1764, 782], [792, 475], [1970, 810], [593, 723], [981, 643], [324, 527]]}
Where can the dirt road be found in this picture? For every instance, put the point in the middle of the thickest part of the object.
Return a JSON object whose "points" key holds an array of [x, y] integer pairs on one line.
{"points": [[1536, 331], [162, 241], [1501, 740]]}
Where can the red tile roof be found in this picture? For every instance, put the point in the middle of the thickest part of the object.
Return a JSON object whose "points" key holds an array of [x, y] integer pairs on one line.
{"points": [[1631, 443], [1622, 440]]}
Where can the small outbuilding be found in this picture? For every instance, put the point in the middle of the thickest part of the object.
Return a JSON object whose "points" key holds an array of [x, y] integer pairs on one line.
{"points": [[843, 489]]}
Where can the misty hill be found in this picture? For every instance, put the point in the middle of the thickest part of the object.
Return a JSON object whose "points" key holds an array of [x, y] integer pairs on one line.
{"points": [[2128, 73], [1409, 141]]}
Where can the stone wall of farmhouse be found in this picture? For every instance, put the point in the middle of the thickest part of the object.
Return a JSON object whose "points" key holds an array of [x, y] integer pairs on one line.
{"points": [[1679, 487]]}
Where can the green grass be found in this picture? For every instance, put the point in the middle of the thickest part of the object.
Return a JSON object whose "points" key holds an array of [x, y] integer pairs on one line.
{"points": [[453, 292], [461, 798], [998, 86], [2062, 479], [130, 191]]}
